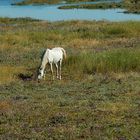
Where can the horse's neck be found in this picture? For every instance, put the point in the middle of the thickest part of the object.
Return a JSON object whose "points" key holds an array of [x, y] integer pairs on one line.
{"points": [[44, 60]]}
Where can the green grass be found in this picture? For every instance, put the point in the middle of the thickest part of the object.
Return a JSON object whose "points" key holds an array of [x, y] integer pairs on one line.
{"points": [[122, 60], [98, 96]]}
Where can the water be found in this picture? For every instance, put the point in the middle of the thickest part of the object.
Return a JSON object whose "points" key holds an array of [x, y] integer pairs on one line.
{"points": [[52, 13], [8, 2]]}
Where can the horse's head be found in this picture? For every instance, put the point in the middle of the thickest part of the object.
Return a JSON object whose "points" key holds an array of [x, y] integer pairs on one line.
{"points": [[40, 74]]}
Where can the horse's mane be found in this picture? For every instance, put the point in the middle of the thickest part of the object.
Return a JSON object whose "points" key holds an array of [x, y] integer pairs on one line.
{"points": [[42, 54]]}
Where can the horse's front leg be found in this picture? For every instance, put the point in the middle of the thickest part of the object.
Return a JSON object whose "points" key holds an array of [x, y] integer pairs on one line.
{"points": [[44, 76]]}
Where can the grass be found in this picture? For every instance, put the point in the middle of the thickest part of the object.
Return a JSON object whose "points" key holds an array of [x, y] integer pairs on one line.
{"points": [[98, 96], [102, 108], [8, 73], [122, 60]]}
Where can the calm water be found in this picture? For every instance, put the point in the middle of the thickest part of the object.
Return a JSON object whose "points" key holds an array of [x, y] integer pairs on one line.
{"points": [[52, 13], [8, 2]]}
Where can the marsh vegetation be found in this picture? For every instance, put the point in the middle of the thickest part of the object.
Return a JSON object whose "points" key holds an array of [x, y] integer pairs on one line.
{"points": [[98, 96]]}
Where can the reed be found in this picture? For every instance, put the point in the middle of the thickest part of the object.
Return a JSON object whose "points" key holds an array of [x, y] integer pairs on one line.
{"points": [[121, 60]]}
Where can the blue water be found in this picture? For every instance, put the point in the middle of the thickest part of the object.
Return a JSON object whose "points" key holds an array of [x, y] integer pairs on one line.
{"points": [[52, 13], [8, 2]]}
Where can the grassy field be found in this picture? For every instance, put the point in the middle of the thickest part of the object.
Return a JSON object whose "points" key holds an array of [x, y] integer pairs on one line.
{"points": [[98, 96]]}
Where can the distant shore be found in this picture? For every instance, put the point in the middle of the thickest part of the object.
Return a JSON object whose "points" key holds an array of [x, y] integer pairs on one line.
{"points": [[125, 4], [42, 2], [111, 5]]}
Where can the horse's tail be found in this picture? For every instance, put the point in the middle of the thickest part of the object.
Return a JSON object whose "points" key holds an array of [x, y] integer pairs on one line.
{"points": [[64, 53]]}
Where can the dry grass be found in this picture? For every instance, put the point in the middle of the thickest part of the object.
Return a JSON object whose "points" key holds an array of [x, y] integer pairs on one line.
{"points": [[8, 74], [5, 107], [98, 96], [83, 43]]}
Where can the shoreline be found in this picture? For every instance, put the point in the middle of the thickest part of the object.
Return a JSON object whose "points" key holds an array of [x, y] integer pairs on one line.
{"points": [[103, 6], [130, 8]]}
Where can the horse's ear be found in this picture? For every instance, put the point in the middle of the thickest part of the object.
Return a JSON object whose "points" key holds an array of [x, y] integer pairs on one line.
{"points": [[47, 50]]}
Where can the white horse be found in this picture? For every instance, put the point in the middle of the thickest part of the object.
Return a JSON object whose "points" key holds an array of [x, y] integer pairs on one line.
{"points": [[51, 56]]}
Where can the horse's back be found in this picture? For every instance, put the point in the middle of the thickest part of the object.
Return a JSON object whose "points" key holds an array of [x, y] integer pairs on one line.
{"points": [[57, 49], [55, 54]]}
